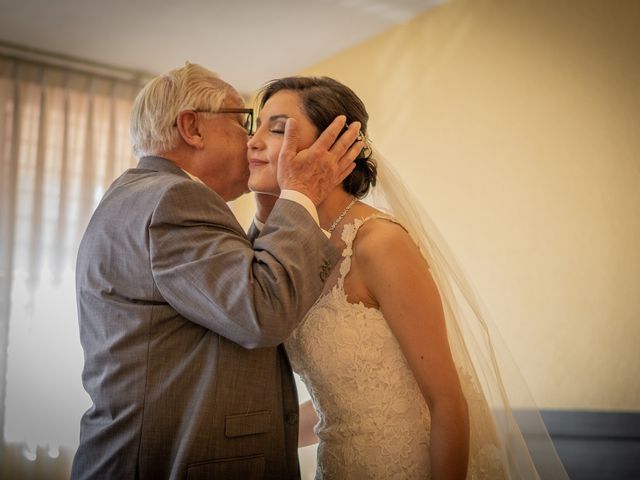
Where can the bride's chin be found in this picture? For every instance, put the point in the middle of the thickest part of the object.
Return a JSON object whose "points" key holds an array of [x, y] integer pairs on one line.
{"points": [[253, 186]]}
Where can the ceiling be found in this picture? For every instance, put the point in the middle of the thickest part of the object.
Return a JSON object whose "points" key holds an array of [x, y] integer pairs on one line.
{"points": [[247, 42]]}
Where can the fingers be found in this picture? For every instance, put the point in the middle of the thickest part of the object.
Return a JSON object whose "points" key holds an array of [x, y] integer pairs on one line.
{"points": [[346, 140], [314, 171], [290, 142], [328, 137], [346, 148], [343, 172], [346, 163]]}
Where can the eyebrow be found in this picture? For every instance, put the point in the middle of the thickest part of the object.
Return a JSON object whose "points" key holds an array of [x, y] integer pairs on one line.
{"points": [[273, 118]]}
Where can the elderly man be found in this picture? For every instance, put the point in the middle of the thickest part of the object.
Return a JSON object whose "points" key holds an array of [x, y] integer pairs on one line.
{"points": [[181, 314]]}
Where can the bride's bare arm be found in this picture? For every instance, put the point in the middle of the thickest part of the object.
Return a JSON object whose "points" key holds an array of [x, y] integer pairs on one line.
{"points": [[398, 280], [308, 420]]}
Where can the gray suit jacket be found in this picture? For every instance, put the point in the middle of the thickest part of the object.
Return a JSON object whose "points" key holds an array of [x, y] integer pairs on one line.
{"points": [[181, 321]]}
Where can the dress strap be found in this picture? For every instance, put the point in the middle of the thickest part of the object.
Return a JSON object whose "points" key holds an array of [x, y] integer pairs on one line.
{"points": [[349, 233]]}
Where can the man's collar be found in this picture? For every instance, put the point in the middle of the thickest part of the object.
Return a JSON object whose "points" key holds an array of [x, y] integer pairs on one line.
{"points": [[153, 162], [193, 177]]}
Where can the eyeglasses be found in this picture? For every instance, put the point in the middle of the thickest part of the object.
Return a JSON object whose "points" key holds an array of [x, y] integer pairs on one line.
{"points": [[245, 113]]}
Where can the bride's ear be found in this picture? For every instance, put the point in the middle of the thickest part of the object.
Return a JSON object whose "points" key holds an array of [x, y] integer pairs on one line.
{"points": [[187, 125]]}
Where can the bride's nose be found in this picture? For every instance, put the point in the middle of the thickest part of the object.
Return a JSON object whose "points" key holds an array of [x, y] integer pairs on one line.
{"points": [[252, 142]]}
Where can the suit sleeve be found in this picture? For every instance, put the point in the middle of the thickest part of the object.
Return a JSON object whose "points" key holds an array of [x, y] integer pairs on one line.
{"points": [[205, 267]]}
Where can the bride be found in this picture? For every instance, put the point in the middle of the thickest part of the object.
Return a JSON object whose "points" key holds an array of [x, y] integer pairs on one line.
{"points": [[397, 391]]}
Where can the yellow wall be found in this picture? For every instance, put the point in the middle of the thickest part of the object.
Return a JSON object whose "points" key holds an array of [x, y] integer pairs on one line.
{"points": [[518, 124]]}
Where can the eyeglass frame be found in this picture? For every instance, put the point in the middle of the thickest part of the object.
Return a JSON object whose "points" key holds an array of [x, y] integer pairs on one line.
{"points": [[248, 126]]}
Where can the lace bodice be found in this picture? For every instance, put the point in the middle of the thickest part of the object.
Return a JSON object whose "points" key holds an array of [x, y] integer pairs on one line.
{"points": [[374, 422]]}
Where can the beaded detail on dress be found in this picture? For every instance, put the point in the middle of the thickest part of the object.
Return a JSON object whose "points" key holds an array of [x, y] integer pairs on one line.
{"points": [[374, 422]]}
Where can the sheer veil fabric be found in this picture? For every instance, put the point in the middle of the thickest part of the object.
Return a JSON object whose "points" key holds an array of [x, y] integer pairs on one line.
{"points": [[477, 349]]}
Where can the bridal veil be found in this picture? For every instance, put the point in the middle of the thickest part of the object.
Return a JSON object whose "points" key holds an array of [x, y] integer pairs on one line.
{"points": [[477, 348]]}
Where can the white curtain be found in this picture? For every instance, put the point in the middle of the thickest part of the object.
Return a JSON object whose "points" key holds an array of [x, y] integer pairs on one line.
{"points": [[64, 136]]}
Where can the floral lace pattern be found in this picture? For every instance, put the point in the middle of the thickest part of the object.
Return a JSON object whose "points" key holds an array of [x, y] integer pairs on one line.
{"points": [[374, 422]]}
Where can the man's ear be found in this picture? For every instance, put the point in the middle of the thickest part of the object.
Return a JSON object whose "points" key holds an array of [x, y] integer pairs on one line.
{"points": [[187, 124]]}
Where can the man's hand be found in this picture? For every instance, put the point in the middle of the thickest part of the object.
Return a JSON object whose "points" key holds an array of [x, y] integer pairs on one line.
{"points": [[264, 205], [316, 170]]}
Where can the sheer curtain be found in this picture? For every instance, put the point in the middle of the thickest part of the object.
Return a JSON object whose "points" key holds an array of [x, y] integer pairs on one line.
{"points": [[63, 138]]}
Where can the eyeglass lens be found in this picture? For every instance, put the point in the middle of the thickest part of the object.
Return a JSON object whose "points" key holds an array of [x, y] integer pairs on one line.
{"points": [[248, 122]]}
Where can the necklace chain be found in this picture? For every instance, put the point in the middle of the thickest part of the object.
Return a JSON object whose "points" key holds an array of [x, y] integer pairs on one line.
{"points": [[341, 216]]}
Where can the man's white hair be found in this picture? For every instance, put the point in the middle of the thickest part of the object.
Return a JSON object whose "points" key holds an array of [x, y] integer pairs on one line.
{"points": [[157, 105]]}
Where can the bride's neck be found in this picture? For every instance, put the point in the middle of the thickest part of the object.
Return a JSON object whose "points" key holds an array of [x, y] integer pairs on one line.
{"points": [[333, 206]]}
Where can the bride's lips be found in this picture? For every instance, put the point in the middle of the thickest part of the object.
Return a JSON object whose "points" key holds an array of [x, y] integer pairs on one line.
{"points": [[255, 162]]}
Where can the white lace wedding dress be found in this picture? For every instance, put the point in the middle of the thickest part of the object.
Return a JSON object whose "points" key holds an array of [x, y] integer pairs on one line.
{"points": [[374, 422]]}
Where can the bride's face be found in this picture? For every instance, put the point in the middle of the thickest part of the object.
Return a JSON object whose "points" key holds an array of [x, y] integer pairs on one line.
{"points": [[265, 144]]}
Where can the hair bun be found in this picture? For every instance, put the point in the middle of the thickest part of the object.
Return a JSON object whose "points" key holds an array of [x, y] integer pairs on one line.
{"points": [[363, 177]]}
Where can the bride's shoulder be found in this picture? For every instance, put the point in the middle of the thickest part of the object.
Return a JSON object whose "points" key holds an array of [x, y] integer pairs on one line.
{"points": [[380, 234], [383, 251]]}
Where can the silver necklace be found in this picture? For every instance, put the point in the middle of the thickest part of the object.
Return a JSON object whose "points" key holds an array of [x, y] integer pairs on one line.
{"points": [[341, 216]]}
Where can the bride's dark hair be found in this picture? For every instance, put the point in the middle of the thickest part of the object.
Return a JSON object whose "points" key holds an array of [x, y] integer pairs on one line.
{"points": [[323, 99]]}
